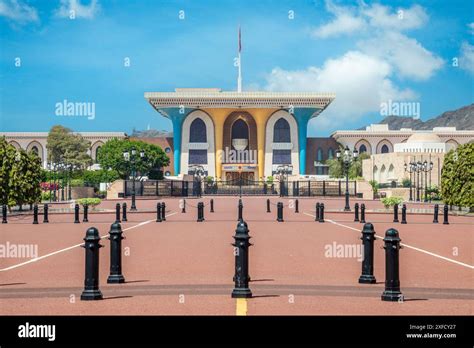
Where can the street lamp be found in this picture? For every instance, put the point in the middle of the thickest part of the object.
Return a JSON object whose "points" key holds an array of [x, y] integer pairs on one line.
{"points": [[426, 168], [410, 168], [284, 171], [347, 160], [132, 159], [198, 172]]}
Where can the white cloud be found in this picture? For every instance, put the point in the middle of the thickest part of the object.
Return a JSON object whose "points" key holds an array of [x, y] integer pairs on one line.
{"points": [[380, 16], [345, 22], [361, 82], [351, 21], [466, 60], [471, 28], [407, 55], [18, 11], [77, 9]]}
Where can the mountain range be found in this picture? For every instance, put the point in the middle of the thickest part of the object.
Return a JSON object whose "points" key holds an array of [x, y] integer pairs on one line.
{"points": [[462, 119]]}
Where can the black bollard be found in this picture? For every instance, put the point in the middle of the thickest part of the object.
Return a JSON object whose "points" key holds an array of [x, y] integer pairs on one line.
{"points": [[362, 213], [356, 212], [212, 206], [115, 237], [268, 206], [76, 214], [404, 214], [241, 252], [368, 237], [158, 212], [4, 214], [86, 213], [435, 213], [183, 209], [200, 209], [317, 212], [241, 207], [163, 211], [124, 211], [296, 207], [445, 215], [392, 279], [321, 212], [91, 282], [395, 213], [35, 214], [117, 213], [45, 213], [280, 212]]}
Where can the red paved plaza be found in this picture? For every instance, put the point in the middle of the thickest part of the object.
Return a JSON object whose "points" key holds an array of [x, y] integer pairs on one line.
{"points": [[184, 267]]}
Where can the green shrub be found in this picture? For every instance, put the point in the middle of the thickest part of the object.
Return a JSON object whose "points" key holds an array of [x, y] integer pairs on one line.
{"points": [[91, 202], [375, 186], [406, 182], [209, 179], [77, 182], [45, 196], [389, 202]]}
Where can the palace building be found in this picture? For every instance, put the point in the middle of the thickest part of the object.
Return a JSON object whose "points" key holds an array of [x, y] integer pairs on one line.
{"points": [[239, 133]]}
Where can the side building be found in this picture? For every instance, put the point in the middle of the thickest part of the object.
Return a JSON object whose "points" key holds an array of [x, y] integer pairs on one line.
{"points": [[36, 141]]}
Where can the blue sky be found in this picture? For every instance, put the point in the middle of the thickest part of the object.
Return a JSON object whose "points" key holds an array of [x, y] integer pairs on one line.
{"points": [[366, 52]]}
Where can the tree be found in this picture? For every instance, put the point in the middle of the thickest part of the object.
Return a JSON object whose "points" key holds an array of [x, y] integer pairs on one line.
{"points": [[457, 176], [66, 147], [7, 156], [110, 156], [25, 179], [355, 169]]}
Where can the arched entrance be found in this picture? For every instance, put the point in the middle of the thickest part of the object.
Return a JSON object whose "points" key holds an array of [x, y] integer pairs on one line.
{"points": [[240, 147]]}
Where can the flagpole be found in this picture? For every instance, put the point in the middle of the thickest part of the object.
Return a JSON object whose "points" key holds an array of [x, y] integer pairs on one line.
{"points": [[239, 78]]}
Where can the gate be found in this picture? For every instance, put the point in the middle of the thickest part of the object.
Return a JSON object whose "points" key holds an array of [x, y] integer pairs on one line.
{"points": [[240, 186], [157, 188]]}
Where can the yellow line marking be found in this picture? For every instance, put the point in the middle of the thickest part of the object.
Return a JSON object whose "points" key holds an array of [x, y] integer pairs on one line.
{"points": [[241, 306], [403, 244]]}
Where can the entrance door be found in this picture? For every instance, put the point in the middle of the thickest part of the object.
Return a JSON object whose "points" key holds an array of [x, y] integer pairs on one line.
{"points": [[234, 176]]}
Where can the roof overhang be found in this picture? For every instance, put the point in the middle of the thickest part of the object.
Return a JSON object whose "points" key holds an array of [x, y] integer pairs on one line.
{"points": [[214, 98]]}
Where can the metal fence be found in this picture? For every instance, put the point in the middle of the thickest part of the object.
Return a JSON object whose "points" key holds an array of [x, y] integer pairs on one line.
{"points": [[300, 188], [157, 188]]}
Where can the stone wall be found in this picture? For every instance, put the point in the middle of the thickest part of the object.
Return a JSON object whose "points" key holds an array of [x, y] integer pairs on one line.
{"points": [[82, 192], [114, 189]]}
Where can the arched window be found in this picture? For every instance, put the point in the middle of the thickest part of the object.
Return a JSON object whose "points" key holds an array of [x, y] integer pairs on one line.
{"points": [[362, 148], [35, 150], [384, 148], [319, 155], [97, 153], [240, 130], [281, 131], [330, 153], [197, 131]]}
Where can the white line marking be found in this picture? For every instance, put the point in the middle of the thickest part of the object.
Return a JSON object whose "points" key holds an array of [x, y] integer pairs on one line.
{"points": [[74, 246], [405, 245]]}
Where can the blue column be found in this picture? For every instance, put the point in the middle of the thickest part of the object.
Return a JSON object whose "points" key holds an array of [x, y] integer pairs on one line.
{"points": [[177, 119], [302, 116], [177, 131]]}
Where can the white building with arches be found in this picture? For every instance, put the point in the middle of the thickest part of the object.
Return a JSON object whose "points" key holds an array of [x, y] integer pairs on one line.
{"points": [[36, 141]]}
